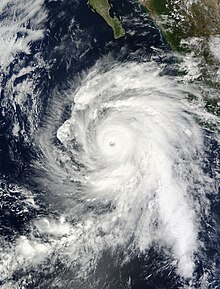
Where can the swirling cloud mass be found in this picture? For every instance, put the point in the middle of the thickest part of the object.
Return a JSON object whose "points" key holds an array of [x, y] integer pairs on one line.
{"points": [[132, 150]]}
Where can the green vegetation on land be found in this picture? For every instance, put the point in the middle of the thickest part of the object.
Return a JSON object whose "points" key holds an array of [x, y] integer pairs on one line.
{"points": [[179, 21], [189, 28], [103, 7]]}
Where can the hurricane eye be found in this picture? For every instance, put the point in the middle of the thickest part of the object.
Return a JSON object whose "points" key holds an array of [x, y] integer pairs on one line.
{"points": [[112, 144]]}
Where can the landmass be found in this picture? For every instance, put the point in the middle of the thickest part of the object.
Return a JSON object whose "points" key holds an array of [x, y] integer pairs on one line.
{"points": [[102, 7], [179, 20], [192, 29]]}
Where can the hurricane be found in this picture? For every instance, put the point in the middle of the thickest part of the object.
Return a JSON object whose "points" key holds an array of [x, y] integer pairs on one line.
{"points": [[130, 156], [109, 156]]}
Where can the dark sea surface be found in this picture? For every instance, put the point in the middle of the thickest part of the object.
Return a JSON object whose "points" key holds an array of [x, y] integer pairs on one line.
{"points": [[75, 38]]}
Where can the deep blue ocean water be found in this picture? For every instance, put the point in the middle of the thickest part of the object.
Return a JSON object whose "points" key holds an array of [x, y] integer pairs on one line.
{"points": [[74, 40]]}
